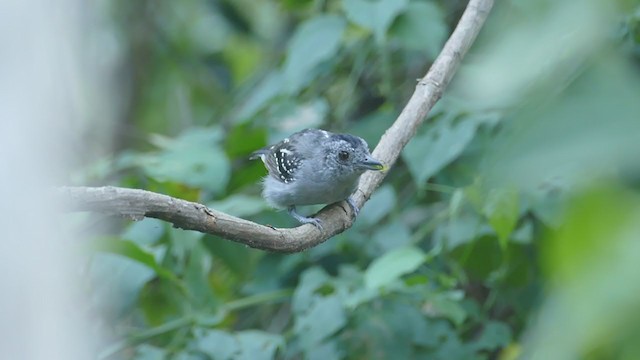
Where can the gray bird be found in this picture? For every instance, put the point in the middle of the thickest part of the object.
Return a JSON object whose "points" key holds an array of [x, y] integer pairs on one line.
{"points": [[314, 167]]}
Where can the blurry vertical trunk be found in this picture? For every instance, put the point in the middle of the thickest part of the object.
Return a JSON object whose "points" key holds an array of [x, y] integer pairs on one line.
{"points": [[43, 95]]}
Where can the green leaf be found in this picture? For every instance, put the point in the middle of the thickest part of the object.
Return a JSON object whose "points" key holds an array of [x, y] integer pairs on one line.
{"points": [[391, 236], [326, 351], [269, 88], [381, 203], [524, 233], [230, 256], [592, 263], [456, 202], [310, 280], [194, 159], [243, 57], [429, 153], [448, 305], [240, 205], [218, 344], [185, 355], [374, 15], [291, 116], [196, 277], [269, 272], [372, 126], [559, 137], [315, 41], [183, 242], [348, 285], [145, 232], [389, 267], [421, 27], [134, 252], [258, 345], [461, 230], [436, 331], [325, 316], [452, 347], [494, 335], [243, 345], [148, 352], [593, 221], [391, 328], [118, 281], [502, 209], [243, 139], [481, 257]]}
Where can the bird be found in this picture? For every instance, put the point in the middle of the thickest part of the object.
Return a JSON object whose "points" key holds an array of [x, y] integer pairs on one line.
{"points": [[314, 166]]}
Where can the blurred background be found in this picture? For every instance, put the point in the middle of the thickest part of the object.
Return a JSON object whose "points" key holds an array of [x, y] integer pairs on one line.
{"points": [[509, 228]]}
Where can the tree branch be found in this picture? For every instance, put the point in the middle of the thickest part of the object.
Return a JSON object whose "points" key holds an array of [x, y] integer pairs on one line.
{"points": [[336, 218]]}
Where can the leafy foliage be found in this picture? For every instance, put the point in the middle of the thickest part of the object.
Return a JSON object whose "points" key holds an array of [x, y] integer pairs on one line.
{"points": [[524, 178]]}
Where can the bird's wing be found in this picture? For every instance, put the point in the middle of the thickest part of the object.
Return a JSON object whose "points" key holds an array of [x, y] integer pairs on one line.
{"points": [[281, 160]]}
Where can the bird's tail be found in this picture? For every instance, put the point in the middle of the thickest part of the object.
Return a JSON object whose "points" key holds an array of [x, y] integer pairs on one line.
{"points": [[258, 154]]}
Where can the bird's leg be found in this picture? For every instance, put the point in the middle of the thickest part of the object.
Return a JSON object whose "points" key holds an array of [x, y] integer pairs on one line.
{"points": [[303, 219], [354, 207]]}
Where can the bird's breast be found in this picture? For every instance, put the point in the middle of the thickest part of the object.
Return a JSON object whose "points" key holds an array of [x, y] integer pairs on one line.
{"points": [[326, 191]]}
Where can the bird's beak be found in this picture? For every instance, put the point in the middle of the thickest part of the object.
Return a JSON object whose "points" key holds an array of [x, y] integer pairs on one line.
{"points": [[372, 164]]}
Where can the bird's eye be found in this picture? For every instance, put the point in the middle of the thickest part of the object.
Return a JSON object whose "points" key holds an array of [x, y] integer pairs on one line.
{"points": [[343, 156]]}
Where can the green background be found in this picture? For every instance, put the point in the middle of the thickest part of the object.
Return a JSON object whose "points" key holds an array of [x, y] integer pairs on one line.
{"points": [[509, 227]]}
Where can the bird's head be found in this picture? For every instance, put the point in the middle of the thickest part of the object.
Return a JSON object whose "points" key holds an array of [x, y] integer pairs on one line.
{"points": [[350, 155]]}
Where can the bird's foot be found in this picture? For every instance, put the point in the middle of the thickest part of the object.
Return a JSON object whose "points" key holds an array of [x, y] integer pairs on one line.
{"points": [[303, 219], [354, 207]]}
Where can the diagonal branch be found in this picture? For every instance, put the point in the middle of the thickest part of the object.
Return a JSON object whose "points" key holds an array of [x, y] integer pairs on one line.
{"points": [[336, 218]]}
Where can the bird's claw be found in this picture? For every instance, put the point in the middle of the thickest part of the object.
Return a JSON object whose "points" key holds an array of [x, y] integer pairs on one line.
{"points": [[305, 220], [313, 221], [354, 207]]}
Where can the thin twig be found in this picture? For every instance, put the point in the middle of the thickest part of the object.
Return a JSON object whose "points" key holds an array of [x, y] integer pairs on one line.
{"points": [[192, 216]]}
